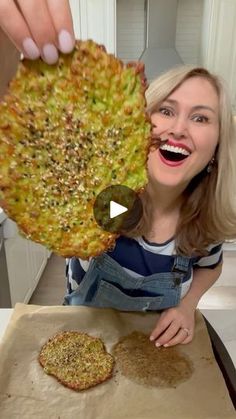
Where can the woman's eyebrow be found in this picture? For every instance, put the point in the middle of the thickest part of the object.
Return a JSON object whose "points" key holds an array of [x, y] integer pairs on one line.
{"points": [[194, 108], [203, 107]]}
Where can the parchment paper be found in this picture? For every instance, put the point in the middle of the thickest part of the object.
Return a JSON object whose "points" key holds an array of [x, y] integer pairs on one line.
{"points": [[27, 392]]}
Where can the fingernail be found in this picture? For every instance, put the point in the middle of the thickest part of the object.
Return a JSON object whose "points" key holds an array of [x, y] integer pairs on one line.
{"points": [[152, 338], [66, 43], [166, 345], [157, 344], [31, 49], [50, 54]]}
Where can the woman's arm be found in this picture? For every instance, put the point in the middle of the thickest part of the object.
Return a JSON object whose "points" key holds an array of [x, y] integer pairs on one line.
{"points": [[203, 279], [176, 325]]}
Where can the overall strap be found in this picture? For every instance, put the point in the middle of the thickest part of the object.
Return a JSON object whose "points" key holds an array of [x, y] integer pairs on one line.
{"points": [[181, 264]]}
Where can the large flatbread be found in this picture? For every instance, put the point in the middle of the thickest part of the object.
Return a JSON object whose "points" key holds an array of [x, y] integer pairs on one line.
{"points": [[67, 132]]}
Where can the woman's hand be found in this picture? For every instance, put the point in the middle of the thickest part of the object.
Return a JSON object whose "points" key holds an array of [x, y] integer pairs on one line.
{"points": [[175, 325], [38, 27]]}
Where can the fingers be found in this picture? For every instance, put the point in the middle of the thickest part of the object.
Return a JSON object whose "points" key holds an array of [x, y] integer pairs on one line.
{"points": [[41, 33], [171, 328], [181, 337], [161, 326], [188, 339], [173, 335], [46, 40], [63, 24], [14, 25], [165, 336]]}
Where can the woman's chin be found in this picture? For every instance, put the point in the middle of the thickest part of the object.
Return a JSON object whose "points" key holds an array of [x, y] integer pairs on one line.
{"points": [[169, 181]]}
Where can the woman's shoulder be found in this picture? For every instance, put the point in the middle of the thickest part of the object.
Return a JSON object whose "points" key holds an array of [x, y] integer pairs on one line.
{"points": [[212, 258]]}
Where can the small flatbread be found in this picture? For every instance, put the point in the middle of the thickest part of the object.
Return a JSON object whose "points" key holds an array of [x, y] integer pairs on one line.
{"points": [[77, 360]]}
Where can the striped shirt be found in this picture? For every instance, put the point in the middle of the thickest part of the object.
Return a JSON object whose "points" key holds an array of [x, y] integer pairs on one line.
{"points": [[138, 257]]}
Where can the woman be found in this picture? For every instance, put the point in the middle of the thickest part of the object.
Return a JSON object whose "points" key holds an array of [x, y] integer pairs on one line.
{"points": [[175, 254]]}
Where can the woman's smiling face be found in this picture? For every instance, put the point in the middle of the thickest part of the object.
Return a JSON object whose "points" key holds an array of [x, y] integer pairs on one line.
{"points": [[189, 120]]}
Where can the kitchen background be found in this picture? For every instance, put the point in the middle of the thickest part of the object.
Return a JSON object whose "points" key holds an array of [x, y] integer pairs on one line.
{"points": [[163, 34]]}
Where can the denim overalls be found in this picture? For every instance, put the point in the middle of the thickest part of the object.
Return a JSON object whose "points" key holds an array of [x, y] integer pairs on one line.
{"points": [[107, 284]]}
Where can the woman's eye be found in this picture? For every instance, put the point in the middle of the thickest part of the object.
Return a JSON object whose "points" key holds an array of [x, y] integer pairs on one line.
{"points": [[200, 118], [165, 111]]}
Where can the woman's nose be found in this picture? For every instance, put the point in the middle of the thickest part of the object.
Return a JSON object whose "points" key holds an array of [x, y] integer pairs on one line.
{"points": [[178, 127]]}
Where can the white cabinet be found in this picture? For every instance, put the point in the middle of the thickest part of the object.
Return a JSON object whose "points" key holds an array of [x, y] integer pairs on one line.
{"points": [[26, 261], [218, 41], [95, 19], [18, 267], [38, 258]]}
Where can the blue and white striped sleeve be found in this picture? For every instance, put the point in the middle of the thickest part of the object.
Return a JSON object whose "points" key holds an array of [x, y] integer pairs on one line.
{"points": [[213, 259], [75, 271]]}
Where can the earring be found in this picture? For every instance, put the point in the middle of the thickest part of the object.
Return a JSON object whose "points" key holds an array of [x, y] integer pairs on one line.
{"points": [[210, 165]]}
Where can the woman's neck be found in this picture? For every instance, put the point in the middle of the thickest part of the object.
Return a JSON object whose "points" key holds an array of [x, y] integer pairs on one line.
{"points": [[164, 200], [165, 212]]}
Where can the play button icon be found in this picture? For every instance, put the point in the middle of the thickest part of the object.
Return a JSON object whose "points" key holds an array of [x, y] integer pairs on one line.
{"points": [[118, 209]]}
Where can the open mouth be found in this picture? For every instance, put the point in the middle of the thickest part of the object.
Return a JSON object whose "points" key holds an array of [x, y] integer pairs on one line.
{"points": [[173, 153]]}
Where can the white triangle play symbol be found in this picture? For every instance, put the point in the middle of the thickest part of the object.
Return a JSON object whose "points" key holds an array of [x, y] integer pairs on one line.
{"points": [[116, 209]]}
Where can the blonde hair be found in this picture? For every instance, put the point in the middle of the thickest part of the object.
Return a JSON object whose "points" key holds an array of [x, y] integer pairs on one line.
{"points": [[208, 214]]}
